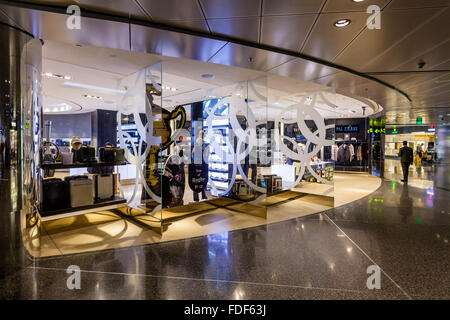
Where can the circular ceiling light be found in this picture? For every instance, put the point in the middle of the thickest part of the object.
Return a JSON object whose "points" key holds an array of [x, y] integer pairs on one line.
{"points": [[342, 23], [208, 76], [358, 0]]}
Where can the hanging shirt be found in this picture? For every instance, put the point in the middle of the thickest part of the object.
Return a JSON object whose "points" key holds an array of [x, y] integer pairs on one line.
{"points": [[334, 152], [359, 156], [352, 151]]}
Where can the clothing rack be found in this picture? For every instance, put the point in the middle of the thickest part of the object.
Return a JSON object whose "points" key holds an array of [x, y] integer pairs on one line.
{"points": [[351, 164]]}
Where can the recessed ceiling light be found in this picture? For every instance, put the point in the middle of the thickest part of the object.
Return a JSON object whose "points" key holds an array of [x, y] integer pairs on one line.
{"points": [[91, 97], [358, 0], [342, 23], [208, 76]]}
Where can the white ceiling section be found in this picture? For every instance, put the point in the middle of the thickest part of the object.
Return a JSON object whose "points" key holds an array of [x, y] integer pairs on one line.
{"points": [[411, 31], [95, 74]]}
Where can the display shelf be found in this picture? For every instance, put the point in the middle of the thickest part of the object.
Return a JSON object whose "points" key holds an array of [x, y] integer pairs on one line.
{"points": [[81, 165], [115, 203]]}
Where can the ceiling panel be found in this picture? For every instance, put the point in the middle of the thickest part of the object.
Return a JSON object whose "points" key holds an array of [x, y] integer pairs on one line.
{"points": [[433, 33], [277, 30], [244, 28], [395, 27], [303, 70], [173, 44], [349, 5], [52, 26], [405, 4], [54, 2], [246, 57], [120, 62], [416, 81], [327, 41], [286, 7], [436, 57], [4, 18], [364, 88], [120, 7], [172, 9], [231, 8]]}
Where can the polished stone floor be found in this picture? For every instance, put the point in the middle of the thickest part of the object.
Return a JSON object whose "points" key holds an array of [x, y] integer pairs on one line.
{"points": [[402, 229], [108, 230]]}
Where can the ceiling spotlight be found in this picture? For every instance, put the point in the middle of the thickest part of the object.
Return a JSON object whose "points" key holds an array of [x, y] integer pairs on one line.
{"points": [[358, 0], [342, 23], [91, 97]]}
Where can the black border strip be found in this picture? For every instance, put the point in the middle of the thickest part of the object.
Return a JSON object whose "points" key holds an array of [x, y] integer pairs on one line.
{"points": [[17, 28], [162, 26]]}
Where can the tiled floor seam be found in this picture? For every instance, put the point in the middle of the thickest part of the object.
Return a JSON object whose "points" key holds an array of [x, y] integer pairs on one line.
{"points": [[363, 252], [206, 280]]}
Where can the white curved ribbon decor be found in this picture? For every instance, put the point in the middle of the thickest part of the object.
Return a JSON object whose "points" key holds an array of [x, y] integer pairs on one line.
{"points": [[131, 103], [317, 138]]}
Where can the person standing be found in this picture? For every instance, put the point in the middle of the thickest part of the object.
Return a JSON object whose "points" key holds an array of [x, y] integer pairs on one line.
{"points": [[406, 158]]}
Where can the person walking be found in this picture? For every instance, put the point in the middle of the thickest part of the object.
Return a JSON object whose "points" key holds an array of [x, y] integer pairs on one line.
{"points": [[406, 158]]}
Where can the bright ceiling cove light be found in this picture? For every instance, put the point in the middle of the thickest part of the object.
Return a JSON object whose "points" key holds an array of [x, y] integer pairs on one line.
{"points": [[62, 107], [169, 88], [56, 76], [342, 23]]}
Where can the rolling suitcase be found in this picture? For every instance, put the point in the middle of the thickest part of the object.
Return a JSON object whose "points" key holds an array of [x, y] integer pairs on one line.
{"points": [[55, 195], [244, 189], [81, 191], [103, 186]]}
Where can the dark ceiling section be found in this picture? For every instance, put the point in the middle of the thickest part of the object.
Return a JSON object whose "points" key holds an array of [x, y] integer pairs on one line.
{"points": [[412, 31]]}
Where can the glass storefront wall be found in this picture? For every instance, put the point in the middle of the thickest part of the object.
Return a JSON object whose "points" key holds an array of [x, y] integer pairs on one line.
{"points": [[242, 146], [233, 142]]}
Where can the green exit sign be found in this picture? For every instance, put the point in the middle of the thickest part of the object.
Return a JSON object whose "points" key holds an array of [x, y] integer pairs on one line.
{"points": [[419, 120]]}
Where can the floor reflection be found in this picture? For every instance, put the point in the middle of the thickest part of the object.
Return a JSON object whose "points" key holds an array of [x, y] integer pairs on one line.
{"points": [[419, 176], [405, 208]]}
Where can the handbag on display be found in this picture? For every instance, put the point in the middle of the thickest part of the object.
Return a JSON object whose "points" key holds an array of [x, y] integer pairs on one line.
{"points": [[88, 154], [55, 195], [49, 156], [112, 154]]}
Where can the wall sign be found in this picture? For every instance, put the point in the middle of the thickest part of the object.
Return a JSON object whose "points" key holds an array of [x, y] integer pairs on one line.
{"points": [[350, 128]]}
